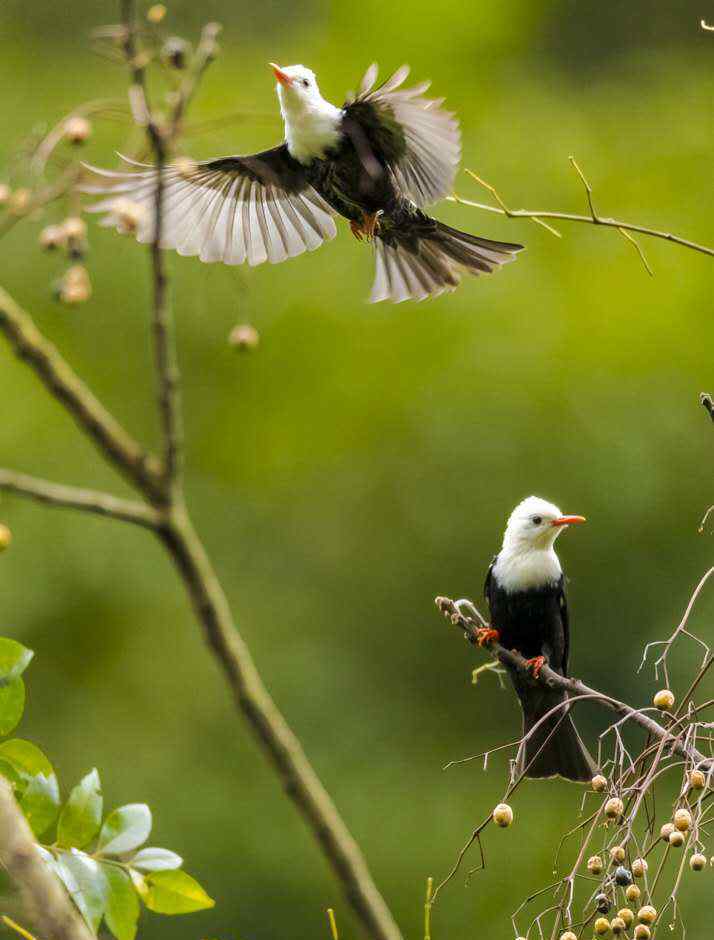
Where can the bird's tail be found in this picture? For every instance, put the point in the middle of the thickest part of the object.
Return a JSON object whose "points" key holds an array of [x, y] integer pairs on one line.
{"points": [[555, 749], [420, 261]]}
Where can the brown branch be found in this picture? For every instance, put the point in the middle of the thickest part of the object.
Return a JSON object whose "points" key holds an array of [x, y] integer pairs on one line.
{"points": [[44, 898], [74, 497], [592, 219]]}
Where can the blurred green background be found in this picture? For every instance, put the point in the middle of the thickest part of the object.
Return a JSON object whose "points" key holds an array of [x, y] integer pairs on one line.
{"points": [[364, 458]]}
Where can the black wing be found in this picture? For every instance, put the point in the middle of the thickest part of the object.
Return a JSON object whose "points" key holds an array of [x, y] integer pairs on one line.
{"points": [[563, 606], [488, 581], [413, 135], [252, 208]]}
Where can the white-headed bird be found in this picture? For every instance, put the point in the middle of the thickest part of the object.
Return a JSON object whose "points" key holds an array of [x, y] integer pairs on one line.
{"points": [[525, 592], [377, 162]]}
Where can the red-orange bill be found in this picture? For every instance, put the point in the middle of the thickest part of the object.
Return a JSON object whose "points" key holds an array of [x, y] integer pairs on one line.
{"points": [[568, 520]]}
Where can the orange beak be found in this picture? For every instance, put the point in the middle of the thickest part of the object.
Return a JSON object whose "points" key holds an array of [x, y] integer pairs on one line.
{"points": [[568, 520], [280, 75]]}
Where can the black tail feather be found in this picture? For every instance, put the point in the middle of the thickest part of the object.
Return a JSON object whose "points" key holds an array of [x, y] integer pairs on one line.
{"points": [[555, 749]]}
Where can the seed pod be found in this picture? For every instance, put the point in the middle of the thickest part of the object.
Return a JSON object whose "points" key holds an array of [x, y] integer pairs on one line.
{"points": [[647, 914], [568, 935], [626, 916], [697, 780], [642, 932], [244, 336], [617, 853], [602, 926], [633, 894], [503, 815], [666, 831], [639, 867], [623, 876], [51, 237], [5, 537], [156, 13], [603, 903], [614, 807], [664, 700], [77, 129], [618, 926], [598, 783], [595, 865], [698, 862], [676, 839], [683, 820]]}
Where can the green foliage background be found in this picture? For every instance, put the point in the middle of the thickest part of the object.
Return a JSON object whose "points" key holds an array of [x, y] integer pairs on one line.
{"points": [[364, 458]]}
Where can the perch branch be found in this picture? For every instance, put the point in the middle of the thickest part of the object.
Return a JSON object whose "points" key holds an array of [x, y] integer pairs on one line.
{"points": [[45, 900]]}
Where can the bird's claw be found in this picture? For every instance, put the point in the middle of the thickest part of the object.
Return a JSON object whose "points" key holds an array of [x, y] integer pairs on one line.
{"points": [[368, 227], [487, 635], [356, 230], [535, 665]]}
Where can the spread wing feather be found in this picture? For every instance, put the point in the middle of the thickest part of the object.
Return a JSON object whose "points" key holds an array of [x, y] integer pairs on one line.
{"points": [[253, 208]]}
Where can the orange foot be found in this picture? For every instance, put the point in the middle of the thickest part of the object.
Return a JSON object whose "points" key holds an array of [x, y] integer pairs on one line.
{"points": [[357, 230], [368, 227], [487, 635], [536, 664]]}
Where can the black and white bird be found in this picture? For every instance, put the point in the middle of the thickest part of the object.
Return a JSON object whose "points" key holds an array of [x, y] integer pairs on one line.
{"points": [[526, 596], [377, 162]]}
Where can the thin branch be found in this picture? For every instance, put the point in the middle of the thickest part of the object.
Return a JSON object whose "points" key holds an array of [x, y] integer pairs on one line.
{"points": [[74, 497], [592, 219], [47, 903], [64, 384]]}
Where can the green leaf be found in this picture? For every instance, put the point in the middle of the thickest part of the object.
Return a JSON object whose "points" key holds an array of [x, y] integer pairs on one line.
{"points": [[14, 660], [86, 883], [122, 911], [175, 892], [152, 859], [40, 802], [125, 829], [81, 815], [12, 705], [25, 758]]}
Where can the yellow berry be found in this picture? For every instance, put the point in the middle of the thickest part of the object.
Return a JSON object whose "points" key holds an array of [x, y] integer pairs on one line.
{"points": [[639, 867], [698, 862], [666, 831], [598, 783], [683, 820], [614, 808], [647, 914], [52, 236], [676, 839], [618, 925], [156, 13], [77, 129], [503, 815], [595, 865], [642, 932], [5, 537], [244, 336], [74, 227], [626, 916], [697, 780], [5, 193], [568, 935], [664, 700], [633, 893], [602, 926], [617, 853]]}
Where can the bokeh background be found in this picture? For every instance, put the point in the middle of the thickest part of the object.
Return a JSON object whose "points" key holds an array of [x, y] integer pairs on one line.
{"points": [[364, 458]]}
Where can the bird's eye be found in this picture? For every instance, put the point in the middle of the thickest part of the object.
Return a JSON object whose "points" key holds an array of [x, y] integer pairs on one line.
{"points": [[536, 520], [305, 83]]}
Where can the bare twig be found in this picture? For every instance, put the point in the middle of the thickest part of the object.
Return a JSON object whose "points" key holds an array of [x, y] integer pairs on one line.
{"points": [[45, 900]]}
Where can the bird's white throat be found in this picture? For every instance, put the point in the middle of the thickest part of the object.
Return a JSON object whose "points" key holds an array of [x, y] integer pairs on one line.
{"points": [[311, 127], [523, 567]]}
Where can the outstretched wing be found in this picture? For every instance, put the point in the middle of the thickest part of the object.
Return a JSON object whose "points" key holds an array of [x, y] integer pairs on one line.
{"points": [[414, 135], [253, 208]]}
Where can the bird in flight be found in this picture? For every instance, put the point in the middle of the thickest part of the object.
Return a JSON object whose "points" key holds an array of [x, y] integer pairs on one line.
{"points": [[525, 593], [377, 162]]}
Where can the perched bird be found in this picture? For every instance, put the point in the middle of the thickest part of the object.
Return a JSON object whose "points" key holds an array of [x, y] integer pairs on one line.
{"points": [[376, 161], [525, 593]]}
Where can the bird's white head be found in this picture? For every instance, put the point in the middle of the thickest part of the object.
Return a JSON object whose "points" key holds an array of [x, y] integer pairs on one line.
{"points": [[311, 123], [527, 558]]}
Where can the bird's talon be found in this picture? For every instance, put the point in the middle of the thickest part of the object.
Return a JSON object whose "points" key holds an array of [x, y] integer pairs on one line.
{"points": [[535, 665], [356, 230], [487, 635]]}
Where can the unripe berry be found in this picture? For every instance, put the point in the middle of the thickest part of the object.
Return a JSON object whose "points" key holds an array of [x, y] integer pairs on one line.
{"points": [[683, 820], [633, 894], [5, 193], [676, 839], [52, 236], [156, 13], [595, 865], [602, 926], [614, 807], [664, 700], [697, 780], [598, 783], [647, 914], [503, 815], [568, 935], [623, 876], [175, 52], [77, 129], [244, 336], [618, 926], [617, 853], [20, 200], [642, 932], [639, 867], [74, 227], [666, 831], [626, 916], [698, 862], [5, 537]]}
